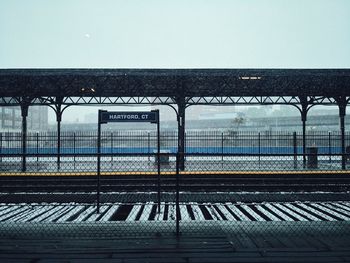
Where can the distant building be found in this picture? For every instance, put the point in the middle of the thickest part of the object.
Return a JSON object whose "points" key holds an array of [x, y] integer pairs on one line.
{"points": [[38, 118], [11, 119]]}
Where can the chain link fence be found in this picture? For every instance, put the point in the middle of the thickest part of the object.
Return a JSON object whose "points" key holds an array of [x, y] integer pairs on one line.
{"points": [[229, 141], [246, 189]]}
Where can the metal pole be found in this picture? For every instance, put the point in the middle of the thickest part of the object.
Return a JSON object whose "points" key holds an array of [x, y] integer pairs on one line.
{"points": [[222, 146], [98, 160], [329, 147], [342, 130], [24, 110], [181, 132], [58, 140], [58, 112], [342, 101], [158, 157], [177, 202], [37, 149], [1, 146], [259, 145], [74, 148], [149, 146], [112, 149], [303, 111], [24, 143], [304, 143], [295, 150]]}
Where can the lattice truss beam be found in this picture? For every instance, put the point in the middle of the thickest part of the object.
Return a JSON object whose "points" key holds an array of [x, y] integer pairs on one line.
{"points": [[71, 101], [259, 100], [255, 100]]}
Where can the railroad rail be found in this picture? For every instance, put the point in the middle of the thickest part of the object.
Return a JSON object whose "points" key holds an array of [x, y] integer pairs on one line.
{"points": [[230, 212], [198, 181]]}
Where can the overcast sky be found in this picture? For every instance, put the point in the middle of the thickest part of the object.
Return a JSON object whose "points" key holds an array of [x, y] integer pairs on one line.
{"points": [[175, 34], [178, 33]]}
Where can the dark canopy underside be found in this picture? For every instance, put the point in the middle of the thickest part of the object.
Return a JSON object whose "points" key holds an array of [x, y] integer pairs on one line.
{"points": [[174, 82]]}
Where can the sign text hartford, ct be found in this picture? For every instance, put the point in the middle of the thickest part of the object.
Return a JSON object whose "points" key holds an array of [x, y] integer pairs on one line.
{"points": [[148, 116]]}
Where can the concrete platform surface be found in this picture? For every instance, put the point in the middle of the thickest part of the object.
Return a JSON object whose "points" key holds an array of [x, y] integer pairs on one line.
{"points": [[220, 248]]}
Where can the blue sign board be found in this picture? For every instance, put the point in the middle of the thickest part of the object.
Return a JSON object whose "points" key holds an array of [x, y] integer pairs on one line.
{"points": [[110, 116]]}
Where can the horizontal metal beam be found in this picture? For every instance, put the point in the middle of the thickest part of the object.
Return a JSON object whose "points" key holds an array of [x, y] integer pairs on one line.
{"points": [[257, 100], [71, 101]]}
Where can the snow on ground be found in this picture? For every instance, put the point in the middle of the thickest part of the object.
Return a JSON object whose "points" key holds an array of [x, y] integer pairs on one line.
{"points": [[291, 211]]}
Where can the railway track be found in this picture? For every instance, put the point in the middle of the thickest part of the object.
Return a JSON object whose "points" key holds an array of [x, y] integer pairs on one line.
{"points": [[190, 212], [250, 182]]}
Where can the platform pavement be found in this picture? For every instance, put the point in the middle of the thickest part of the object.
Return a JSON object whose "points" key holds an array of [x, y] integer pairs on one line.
{"points": [[182, 249], [208, 243]]}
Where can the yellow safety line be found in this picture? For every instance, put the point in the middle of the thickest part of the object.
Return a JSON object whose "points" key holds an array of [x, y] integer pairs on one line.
{"points": [[126, 173]]}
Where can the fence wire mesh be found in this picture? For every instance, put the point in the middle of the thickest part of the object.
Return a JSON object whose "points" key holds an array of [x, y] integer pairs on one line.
{"points": [[251, 185], [228, 141]]}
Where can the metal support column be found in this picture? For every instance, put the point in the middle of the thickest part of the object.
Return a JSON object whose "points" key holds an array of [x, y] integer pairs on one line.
{"points": [[98, 161], [58, 119], [24, 113], [295, 150], [177, 201], [59, 111], [0, 146], [303, 119], [304, 109], [158, 159], [181, 131], [330, 146], [342, 112]]}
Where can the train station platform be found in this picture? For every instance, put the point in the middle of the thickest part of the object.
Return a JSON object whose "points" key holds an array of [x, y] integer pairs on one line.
{"points": [[210, 248]]}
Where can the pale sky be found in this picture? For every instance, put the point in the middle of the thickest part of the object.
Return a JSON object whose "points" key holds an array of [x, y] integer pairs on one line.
{"points": [[173, 34]]}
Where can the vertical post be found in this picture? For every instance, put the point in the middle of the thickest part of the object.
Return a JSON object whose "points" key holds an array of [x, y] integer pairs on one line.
{"points": [[304, 143], [342, 111], [58, 118], [295, 150], [112, 148], [58, 111], [177, 201], [98, 159], [304, 109], [37, 148], [185, 141], [222, 146], [259, 146], [158, 157], [74, 147], [24, 112], [149, 145], [329, 146], [181, 131], [0, 146]]}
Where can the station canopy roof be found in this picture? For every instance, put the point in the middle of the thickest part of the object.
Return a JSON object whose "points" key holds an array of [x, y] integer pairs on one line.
{"points": [[174, 82]]}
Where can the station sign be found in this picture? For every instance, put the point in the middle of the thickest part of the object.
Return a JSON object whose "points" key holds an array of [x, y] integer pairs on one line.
{"points": [[126, 116], [118, 116]]}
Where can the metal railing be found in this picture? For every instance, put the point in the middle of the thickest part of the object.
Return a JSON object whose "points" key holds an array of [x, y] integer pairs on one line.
{"points": [[195, 141]]}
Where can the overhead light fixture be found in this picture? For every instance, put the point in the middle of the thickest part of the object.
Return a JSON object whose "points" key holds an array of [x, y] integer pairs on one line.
{"points": [[87, 90], [250, 77]]}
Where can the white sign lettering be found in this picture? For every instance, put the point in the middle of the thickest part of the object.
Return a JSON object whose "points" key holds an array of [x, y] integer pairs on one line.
{"points": [[129, 117], [124, 117]]}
